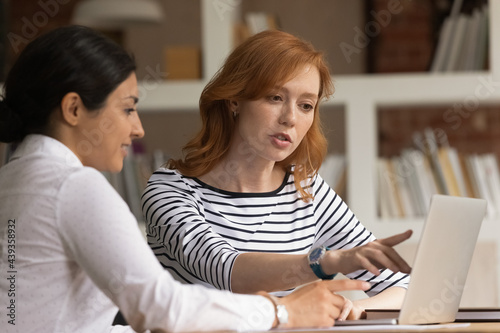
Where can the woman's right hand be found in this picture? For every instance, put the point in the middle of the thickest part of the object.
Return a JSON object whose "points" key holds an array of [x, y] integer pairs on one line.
{"points": [[372, 256], [317, 304]]}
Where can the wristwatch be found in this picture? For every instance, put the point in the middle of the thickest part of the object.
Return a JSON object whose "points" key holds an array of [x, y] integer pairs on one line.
{"points": [[281, 311], [314, 257]]}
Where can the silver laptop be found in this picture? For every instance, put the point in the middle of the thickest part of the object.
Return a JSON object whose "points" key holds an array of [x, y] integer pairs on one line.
{"points": [[441, 263]]}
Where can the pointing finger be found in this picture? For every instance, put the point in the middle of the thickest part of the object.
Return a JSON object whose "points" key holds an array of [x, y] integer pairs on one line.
{"points": [[396, 239], [346, 284]]}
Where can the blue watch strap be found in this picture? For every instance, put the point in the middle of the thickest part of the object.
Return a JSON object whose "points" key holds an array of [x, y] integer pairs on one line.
{"points": [[318, 271]]}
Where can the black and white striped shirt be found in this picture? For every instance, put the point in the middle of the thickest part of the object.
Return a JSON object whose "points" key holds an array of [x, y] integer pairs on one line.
{"points": [[197, 231]]}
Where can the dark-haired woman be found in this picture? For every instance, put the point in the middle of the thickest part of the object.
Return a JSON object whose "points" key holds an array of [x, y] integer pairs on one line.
{"points": [[71, 253], [245, 209]]}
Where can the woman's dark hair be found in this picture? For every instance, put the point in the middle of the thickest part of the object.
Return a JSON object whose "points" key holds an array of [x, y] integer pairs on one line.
{"points": [[67, 59]]}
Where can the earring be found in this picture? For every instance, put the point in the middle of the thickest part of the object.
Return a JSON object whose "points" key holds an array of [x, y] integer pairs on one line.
{"points": [[235, 114]]}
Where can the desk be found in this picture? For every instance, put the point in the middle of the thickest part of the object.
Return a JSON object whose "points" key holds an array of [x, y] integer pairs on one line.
{"points": [[473, 327]]}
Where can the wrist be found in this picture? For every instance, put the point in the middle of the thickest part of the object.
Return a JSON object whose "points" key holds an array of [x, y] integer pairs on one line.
{"points": [[328, 263], [316, 259], [280, 311], [357, 312]]}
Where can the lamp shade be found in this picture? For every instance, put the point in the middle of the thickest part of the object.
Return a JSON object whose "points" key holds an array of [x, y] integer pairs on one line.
{"points": [[116, 14]]}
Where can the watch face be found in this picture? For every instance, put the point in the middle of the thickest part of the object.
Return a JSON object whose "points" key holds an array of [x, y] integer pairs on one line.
{"points": [[315, 254]]}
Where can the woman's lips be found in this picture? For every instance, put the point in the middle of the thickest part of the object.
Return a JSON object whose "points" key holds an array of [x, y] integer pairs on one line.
{"points": [[281, 140]]}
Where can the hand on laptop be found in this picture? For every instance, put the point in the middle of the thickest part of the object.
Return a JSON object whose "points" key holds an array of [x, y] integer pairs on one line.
{"points": [[350, 310], [373, 256], [317, 304]]}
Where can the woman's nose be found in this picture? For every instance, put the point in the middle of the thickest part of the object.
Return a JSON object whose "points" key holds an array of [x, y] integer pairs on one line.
{"points": [[137, 129], [287, 116]]}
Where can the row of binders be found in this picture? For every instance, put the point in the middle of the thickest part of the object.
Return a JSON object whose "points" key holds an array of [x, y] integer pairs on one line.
{"points": [[407, 182], [463, 40]]}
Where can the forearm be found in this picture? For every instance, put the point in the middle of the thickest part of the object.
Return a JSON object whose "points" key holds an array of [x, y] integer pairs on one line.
{"points": [[253, 272], [391, 298]]}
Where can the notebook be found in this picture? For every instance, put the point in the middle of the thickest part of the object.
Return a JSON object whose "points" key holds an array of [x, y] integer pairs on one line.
{"points": [[467, 315], [441, 264]]}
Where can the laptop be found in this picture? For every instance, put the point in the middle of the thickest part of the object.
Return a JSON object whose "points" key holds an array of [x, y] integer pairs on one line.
{"points": [[441, 264]]}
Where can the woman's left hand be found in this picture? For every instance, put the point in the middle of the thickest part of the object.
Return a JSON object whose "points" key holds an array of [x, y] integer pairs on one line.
{"points": [[351, 311]]}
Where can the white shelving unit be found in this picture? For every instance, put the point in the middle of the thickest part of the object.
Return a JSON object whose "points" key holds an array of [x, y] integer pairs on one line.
{"points": [[360, 96]]}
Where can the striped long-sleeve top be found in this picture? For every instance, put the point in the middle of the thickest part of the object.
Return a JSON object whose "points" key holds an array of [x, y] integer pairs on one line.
{"points": [[196, 231]]}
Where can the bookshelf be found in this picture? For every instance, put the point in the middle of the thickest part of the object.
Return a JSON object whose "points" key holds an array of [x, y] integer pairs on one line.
{"points": [[359, 95]]}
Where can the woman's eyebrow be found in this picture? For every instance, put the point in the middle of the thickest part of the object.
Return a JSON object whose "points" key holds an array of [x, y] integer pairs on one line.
{"points": [[310, 95], [135, 98], [305, 94]]}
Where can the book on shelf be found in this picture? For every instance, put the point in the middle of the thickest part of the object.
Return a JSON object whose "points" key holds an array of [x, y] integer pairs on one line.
{"points": [[469, 183], [446, 35], [408, 200], [386, 198], [471, 44], [478, 175], [456, 169], [334, 172], [3, 154], [463, 314], [492, 177], [417, 180], [260, 21], [395, 184], [452, 175], [440, 55], [424, 178], [137, 169], [407, 182], [253, 23], [481, 51], [431, 149], [463, 40], [131, 185], [457, 43]]}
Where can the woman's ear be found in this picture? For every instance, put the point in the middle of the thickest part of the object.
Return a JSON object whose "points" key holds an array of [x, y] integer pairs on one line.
{"points": [[233, 105], [71, 108]]}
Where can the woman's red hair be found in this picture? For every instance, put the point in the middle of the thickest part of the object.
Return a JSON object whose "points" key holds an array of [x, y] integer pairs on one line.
{"points": [[258, 65]]}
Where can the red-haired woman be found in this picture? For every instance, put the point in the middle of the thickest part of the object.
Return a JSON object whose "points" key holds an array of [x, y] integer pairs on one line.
{"points": [[245, 209]]}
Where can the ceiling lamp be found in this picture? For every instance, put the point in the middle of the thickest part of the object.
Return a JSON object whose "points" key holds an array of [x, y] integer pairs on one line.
{"points": [[113, 14]]}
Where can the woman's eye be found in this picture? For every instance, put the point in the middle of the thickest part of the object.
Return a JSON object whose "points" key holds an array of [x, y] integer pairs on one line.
{"points": [[275, 98], [130, 110], [308, 107]]}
